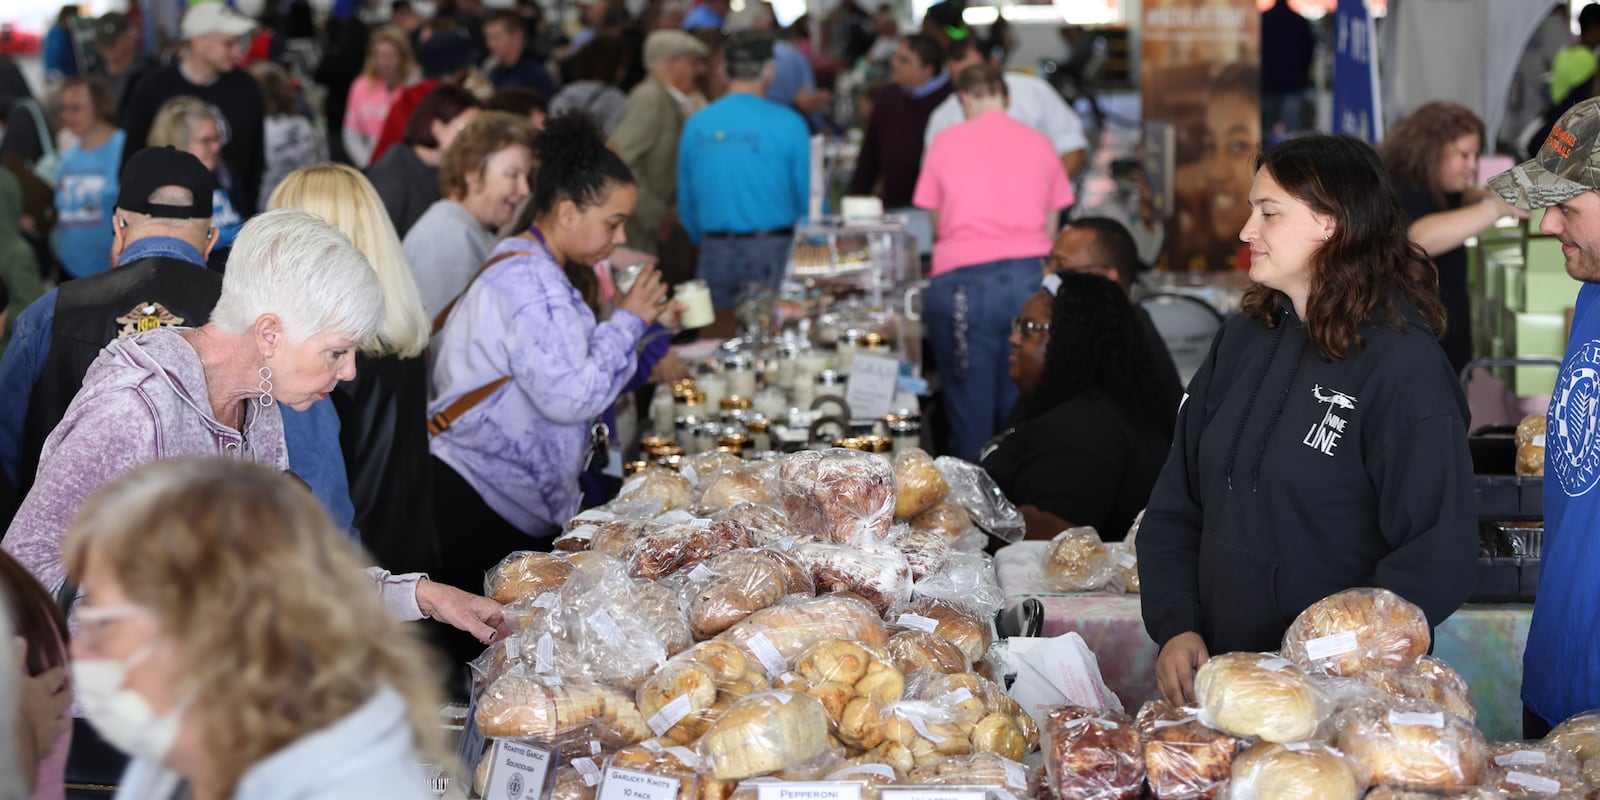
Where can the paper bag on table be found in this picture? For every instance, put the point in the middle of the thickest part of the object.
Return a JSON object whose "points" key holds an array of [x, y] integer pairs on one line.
{"points": [[1056, 672]]}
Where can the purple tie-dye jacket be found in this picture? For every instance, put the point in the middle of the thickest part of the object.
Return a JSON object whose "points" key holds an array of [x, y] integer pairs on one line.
{"points": [[523, 448]]}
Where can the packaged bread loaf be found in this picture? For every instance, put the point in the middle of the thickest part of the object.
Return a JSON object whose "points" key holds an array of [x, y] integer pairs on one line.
{"points": [[1184, 758], [656, 488], [1356, 630], [1295, 771], [1505, 755], [1530, 445], [978, 769], [1412, 744], [617, 538], [1125, 556], [973, 489], [855, 685], [738, 583], [915, 649], [525, 573], [1092, 754], [968, 579], [497, 659], [624, 628], [925, 551], [692, 690], [1400, 793], [918, 483], [560, 713], [726, 488], [963, 626], [1259, 695], [767, 525], [1579, 735], [996, 722], [946, 519], [1428, 679], [1078, 561], [1537, 782], [764, 733], [776, 636], [874, 571], [701, 469], [661, 552], [840, 496]]}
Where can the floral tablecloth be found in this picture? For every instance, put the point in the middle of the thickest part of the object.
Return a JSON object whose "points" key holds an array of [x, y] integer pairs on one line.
{"points": [[1483, 642]]}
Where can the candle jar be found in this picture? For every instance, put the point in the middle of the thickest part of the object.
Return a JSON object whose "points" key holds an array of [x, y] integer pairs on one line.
{"points": [[740, 374], [705, 437], [714, 387], [662, 410], [690, 406], [734, 440], [685, 427], [846, 350], [807, 365], [770, 403], [758, 431], [695, 297], [904, 433], [651, 442], [829, 383], [804, 391]]}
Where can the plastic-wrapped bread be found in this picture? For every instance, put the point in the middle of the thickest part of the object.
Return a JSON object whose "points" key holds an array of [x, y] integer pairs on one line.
{"points": [[963, 626], [1530, 429], [765, 733], [1412, 744], [767, 525], [1530, 446], [1400, 793], [674, 491], [976, 702], [1579, 735], [876, 572], [978, 769], [946, 519], [524, 573], [1591, 771], [497, 659], [1078, 561], [661, 552], [968, 579], [572, 783], [777, 636], [925, 551], [1092, 754], [729, 487], [1259, 695], [736, 584], [1184, 759], [1355, 630], [617, 538], [914, 649], [918, 484], [687, 695], [1533, 782], [1295, 771], [1506, 755], [1428, 679], [855, 685], [524, 706], [624, 628], [840, 496], [701, 469]]}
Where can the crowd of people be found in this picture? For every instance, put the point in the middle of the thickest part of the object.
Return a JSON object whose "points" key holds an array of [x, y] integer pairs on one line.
{"points": [[260, 331]]}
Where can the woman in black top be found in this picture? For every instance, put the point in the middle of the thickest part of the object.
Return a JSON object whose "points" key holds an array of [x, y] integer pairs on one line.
{"points": [[1432, 156], [1092, 428]]}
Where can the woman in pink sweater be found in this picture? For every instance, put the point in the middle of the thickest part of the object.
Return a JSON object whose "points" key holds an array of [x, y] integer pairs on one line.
{"points": [[390, 69]]}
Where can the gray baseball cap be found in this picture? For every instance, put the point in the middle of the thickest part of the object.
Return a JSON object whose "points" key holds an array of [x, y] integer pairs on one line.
{"points": [[1567, 165]]}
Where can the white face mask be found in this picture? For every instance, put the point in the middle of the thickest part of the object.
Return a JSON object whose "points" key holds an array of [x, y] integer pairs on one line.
{"points": [[122, 716]]}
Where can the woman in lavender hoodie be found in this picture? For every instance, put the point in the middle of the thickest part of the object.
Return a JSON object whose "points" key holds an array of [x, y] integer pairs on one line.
{"points": [[506, 470], [294, 306]]}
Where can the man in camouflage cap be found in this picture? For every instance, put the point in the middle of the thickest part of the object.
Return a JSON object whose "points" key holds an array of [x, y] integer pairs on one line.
{"points": [[1561, 666]]}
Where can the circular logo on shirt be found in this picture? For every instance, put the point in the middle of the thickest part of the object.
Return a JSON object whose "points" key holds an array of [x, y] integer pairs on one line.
{"points": [[1572, 435]]}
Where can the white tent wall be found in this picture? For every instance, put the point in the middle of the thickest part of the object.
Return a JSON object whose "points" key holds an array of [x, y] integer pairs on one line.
{"points": [[1461, 50]]}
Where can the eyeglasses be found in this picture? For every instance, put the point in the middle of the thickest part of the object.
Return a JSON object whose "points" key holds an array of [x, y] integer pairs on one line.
{"points": [[1027, 327], [1054, 264], [94, 623]]}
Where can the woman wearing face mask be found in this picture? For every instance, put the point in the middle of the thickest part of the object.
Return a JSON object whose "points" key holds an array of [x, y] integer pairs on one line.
{"points": [[196, 127], [1432, 156], [1090, 432], [523, 369], [293, 309], [227, 643], [406, 176], [1322, 445], [483, 176]]}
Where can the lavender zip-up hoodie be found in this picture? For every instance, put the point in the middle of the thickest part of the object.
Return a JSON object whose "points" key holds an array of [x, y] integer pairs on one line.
{"points": [[523, 447], [144, 399]]}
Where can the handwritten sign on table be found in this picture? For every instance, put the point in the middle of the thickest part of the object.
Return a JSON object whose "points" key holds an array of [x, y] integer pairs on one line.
{"points": [[873, 382]]}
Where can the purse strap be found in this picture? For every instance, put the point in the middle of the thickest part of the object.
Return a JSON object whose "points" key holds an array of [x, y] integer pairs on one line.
{"points": [[440, 422]]}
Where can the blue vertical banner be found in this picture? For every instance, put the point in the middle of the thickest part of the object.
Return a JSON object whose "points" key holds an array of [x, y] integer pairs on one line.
{"points": [[1356, 109]]}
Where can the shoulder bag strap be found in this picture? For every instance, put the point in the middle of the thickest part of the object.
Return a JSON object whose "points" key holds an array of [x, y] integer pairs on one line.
{"points": [[441, 421]]}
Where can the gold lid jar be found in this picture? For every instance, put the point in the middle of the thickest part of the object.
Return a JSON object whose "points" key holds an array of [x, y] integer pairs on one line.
{"points": [[649, 443], [667, 451], [757, 425], [850, 443], [735, 402], [633, 467], [876, 444]]}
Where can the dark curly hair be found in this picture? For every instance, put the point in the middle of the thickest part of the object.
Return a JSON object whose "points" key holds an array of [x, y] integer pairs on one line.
{"points": [[1410, 150], [1368, 263], [1096, 343], [575, 164]]}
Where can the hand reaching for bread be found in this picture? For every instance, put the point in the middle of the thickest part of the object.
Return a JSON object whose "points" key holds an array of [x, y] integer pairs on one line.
{"points": [[465, 611]]}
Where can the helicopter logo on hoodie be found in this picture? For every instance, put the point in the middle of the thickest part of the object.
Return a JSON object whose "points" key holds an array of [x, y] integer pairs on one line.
{"points": [[1325, 434]]}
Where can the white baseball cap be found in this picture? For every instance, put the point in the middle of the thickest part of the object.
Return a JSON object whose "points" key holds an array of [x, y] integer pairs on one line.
{"points": [[214, 17]]}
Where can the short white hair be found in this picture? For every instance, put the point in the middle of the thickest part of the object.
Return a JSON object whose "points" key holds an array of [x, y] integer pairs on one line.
{"points": [[296, 266]]}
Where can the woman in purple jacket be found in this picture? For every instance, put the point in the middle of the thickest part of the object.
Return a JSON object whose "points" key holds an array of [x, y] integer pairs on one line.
{"points": [[524, 342]]}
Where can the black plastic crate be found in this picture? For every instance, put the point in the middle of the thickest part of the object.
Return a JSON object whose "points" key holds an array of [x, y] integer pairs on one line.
{"points": [[1509, 497], [1506, 580]]}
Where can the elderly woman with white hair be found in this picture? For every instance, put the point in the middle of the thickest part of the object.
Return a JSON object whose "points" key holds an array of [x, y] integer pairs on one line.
{"points": [[296, 302]]}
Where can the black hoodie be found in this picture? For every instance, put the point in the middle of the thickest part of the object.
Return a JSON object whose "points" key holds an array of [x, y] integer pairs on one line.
{"points": [[1292, 477]]}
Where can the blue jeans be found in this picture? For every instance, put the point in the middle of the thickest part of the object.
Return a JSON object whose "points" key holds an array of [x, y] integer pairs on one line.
{"points": [[968, 314], [731, 267]]}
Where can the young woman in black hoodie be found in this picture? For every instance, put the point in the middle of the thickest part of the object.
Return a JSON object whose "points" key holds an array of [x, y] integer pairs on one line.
{"points": [[1322, 445]]}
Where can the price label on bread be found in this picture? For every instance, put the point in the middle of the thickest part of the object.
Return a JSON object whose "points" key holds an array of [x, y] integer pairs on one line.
{"points": [[771, 660], [1325, 647], [818, 790], [917, 622], [629, 784], [1533, 783], [1521, 758], [519, 769], [1429, 719]]}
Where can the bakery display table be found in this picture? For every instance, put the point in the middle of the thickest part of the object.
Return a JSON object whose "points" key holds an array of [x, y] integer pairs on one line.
{"points": [[1483, 642]]}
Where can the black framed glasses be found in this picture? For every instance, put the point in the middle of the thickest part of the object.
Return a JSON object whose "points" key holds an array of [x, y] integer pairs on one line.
{"points": [[1027, 327]]}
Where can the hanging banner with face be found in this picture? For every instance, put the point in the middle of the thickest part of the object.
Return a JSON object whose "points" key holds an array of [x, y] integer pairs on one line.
{"points": [[1200, 82]]}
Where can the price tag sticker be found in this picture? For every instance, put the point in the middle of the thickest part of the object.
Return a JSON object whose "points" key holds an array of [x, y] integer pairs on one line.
{"points": [[1127, 561], [789, 790], [605, 626], [1332, 646], [628, 784], [547, 600], [871, 387], [1275, 664], [670, 715], [917, 622], [1534, 783], [1521, 758], [520, 770], [767, 654], [701, 572], [1428, 719], [584, 532]]}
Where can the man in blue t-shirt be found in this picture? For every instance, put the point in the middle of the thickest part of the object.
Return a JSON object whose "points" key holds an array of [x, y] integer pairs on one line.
{"points": [[86, 178], [1561, 666], [744, 181]]}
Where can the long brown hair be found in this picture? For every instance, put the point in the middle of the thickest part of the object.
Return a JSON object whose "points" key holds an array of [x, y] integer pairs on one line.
{"points": [[1367, 261], [34, 616], [1411, 149]]}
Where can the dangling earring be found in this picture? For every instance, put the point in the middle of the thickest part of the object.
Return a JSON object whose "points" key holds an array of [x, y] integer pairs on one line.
{"points": [[266, 385]]}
